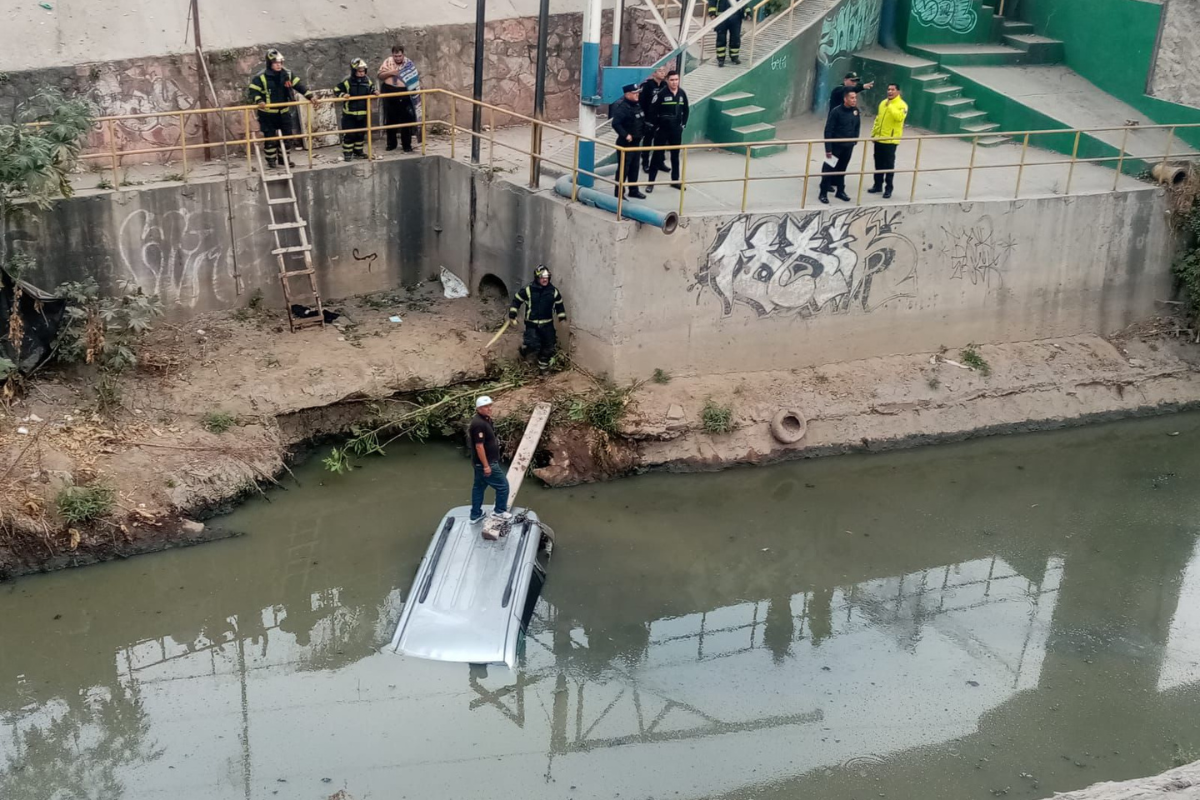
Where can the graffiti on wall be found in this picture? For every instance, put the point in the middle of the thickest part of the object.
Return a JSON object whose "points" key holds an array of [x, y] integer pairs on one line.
{"points": [[854, 26], [976, 254], [810, 264], [176, 255], [959, 16]]}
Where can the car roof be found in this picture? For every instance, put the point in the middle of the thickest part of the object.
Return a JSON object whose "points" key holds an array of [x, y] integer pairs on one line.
{"points": [[466, 599]]}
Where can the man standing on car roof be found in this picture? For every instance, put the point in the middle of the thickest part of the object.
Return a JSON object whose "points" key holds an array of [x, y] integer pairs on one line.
{"points": [[485, 455]]}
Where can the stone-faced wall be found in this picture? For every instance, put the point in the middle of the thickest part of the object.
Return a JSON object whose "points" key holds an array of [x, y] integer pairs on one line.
{"points": [[444, 54], [1176, 75]]}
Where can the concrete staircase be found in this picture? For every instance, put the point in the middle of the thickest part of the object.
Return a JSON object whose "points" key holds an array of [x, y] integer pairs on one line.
{"points": [[703, 79], [935, 101], [734, 117], [937, 97]]}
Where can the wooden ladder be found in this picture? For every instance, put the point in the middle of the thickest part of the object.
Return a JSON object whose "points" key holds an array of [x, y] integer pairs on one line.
{"points": [[292, 247]]}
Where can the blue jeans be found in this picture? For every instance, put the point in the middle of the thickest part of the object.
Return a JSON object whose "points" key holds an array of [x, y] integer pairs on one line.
{"points": [[497, 481]]}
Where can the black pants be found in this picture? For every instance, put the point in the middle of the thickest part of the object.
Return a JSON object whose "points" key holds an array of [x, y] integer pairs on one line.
{"points": [[272, 124], [648, 141], [631, 170], [668, 135], [836, 182], [398, 111], [731, 30], [355, 127], [540, 338], [885, 159]]}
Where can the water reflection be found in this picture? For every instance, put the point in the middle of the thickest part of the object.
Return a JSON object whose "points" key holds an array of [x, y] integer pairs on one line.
{"points": [[730, 656]]}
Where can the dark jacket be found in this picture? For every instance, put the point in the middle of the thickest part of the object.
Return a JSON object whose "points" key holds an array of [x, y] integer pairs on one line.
{"points": [[628, 119], [355, 86], [843, 123], [542, 303], [270, 86], [718, 7], [670, 110], [646, 95], [838, 95]]}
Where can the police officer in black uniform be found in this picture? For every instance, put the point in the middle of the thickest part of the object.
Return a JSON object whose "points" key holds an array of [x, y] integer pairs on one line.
{"points": [[650, 89], [670, 114], [542, 304], [843, 123], [275, 85], [730, 30], [354, 111], [629, 122]]}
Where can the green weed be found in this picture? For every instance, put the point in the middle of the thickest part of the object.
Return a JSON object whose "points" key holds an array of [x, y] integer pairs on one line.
{"points": [[218, 421], [716, 418], [85, 503], [661, 377], [970, 357]]}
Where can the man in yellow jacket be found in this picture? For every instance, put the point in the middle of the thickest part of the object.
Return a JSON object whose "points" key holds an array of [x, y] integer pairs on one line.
{"points": [[887, 131]]}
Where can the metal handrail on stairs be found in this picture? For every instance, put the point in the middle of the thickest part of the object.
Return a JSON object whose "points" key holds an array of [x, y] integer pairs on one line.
{"points": [[756, 28]]}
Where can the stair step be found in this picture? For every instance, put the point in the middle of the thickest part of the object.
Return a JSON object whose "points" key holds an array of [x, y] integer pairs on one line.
{"points": [[981, 127], [931, 78], [758, 127], [282, 226], [742, 111], [956, 102], [300, 248], [1010, 27], [940, 91], [994, 141], [1036, 48], [969, 116], [296, 272], [274, 201]]}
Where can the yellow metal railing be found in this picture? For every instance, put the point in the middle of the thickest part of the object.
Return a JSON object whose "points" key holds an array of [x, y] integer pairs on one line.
{"points": [[925, 163]]}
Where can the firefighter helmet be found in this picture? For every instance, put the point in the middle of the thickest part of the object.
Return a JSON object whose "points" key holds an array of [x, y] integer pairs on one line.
{"points": [[542, 271], [274, 55], [358, 63]]}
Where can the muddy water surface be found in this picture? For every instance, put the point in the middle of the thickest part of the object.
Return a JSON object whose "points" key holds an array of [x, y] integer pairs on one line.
{"points": [[1016, 616]]}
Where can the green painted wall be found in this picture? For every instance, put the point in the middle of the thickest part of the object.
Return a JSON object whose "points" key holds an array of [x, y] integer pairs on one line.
{"points": [[781, 84], [1111, 43], [948, 22]]}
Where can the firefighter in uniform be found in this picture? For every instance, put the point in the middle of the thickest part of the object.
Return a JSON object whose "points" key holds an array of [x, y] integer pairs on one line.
{"points": [[730, 29], [354, 110], [275, 85], [670, 114], [542, 304]]}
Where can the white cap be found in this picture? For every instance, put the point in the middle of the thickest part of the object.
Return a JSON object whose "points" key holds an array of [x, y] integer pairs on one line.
{"points": [[483, 401]]}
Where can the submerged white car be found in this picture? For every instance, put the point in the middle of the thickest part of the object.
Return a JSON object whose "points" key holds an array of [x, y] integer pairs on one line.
{"points": [[472, 598]]}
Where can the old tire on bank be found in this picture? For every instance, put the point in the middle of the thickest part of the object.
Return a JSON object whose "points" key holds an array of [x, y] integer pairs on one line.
{"points": [[788, 426]]}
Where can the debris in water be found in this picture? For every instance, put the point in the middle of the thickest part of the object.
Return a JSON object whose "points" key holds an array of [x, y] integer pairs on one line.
{"points": [[972, 683], [46, 6], [1173, 433]]}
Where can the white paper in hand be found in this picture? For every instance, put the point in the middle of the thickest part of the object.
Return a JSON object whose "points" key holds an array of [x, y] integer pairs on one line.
{"points": [[831, 161]]}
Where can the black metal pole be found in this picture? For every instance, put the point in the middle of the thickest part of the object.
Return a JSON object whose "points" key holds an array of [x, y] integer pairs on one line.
{"points": [[202, 95], [476, 110], [539, 85]]}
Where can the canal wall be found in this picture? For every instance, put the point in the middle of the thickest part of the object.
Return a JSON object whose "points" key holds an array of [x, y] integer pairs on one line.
{"points": [[722, 294]]}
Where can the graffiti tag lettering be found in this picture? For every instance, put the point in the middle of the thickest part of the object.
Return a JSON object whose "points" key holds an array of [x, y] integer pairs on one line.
{"points": [[976, 254], [955, 15], [779, 62], [855, 25], [806, 265], [175, 255]]}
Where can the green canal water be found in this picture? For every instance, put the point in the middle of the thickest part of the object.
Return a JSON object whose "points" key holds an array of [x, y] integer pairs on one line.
{"points": [[1008, 617]]}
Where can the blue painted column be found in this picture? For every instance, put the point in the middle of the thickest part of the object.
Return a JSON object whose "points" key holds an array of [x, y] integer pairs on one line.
{"points": [[589, 87]]}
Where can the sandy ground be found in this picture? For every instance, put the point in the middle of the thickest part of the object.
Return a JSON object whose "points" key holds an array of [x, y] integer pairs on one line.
{"points": [[284, 390]]}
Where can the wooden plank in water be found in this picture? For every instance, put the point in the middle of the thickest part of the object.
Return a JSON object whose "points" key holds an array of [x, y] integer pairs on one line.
{"points": [[529, 442]]}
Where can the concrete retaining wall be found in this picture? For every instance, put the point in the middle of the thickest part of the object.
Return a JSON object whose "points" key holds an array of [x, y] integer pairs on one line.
{"points": [[760, 292], [722, 294]]}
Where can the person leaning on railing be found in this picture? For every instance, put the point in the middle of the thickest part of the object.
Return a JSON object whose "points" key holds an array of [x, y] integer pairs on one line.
{"points": [[275, 85], [887, 132], [354, 110]]}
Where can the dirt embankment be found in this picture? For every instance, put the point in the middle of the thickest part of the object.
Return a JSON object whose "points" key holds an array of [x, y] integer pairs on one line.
{"points": [[221, 403]]}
